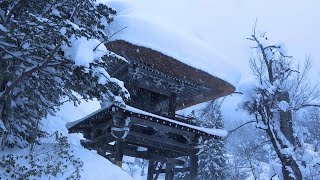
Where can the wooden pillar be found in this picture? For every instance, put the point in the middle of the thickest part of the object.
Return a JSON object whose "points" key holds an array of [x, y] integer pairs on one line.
{"points": [[172, 105], [193, 166], [119, 152], [169, 171], [151, 168]]}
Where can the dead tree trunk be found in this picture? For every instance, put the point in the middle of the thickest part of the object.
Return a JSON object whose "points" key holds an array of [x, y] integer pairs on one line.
{"points": [[286, 125]]}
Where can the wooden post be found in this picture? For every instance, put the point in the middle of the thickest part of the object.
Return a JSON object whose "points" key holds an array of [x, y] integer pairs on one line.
{"points": [[169, 170], [172, 105], [193, 166], [151, 168], [119, 152]]}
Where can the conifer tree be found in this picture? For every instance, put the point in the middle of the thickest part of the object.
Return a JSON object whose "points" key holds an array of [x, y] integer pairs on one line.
{"points": [[39, 63], [212, 159]]}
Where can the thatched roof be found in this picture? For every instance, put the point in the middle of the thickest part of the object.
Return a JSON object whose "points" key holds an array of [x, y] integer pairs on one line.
{"points": [[173, 68]]}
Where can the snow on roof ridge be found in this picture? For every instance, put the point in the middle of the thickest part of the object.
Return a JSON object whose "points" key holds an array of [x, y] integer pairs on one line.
{"points": [[73, 123], [211, 131]]}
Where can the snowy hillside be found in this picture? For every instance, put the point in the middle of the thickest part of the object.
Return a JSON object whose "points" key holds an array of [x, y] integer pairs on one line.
{"points": [[95, 166]]}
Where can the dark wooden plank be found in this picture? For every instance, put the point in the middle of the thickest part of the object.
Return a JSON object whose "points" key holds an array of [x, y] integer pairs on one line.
{"points": [[159, 126], [129, 151], [159, 166], [158, 143], [119, 152], [104, 138], [193, 166], [151, 169], [169, 171], [185, 169], [172, 105]]}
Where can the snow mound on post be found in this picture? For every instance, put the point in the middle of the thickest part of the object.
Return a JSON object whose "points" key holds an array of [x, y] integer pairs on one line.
{"points": [[147, 29]]}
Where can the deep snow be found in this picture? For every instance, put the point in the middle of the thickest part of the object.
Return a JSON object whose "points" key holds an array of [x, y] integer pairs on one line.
{"points": [[95, 166]]}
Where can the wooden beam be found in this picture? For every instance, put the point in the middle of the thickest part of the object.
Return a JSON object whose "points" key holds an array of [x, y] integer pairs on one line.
{"points": [[105, 138], [151, 169], [103, 122], [169, 171], [119, 152], [159, 167], [149, 84], [172, 105], [185, 169], [161, 127], [158, 143], [127, 151], [193, 166]]}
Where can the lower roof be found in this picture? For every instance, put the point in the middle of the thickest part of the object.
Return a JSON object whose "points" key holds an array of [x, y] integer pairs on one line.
{"points": [[102, 113]]}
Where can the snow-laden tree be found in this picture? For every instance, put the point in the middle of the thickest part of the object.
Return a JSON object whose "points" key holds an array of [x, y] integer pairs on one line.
{"points": [[53, 160], [50, 51], [310, 120], [278, 91], [212, 156], [246, 148]]}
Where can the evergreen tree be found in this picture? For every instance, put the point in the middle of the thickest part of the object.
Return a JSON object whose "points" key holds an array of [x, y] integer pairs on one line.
{"points": [[39, 65], [212, 157]]}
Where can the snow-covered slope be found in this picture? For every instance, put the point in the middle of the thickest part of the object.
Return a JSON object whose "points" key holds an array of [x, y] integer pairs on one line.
{"points": [[95, 166]]}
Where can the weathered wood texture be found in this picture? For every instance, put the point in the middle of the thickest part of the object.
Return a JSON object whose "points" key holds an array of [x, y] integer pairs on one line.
{"points": [[163, 74]]}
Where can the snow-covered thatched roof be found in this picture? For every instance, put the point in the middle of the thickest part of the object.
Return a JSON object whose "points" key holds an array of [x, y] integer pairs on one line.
{"points": [[196, 86], [142, 30]]}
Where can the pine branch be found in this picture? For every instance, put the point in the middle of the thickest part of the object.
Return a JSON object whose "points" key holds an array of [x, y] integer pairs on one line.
{"points": [[26, 74]]}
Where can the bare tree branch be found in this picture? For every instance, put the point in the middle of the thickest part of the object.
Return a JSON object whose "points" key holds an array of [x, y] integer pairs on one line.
{"points": [[233, 130], [107, 39]]}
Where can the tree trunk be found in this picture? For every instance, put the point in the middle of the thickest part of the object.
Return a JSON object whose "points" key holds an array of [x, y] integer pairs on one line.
{"points": [[286, 161], [286, 125]]}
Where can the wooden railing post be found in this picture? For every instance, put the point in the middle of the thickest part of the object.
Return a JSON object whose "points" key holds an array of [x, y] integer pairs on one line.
{"points": [[169, 170], [119, 152], [151, 168]]}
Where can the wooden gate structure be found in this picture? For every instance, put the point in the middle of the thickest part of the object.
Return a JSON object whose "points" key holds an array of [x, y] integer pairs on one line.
{"points": [[148, 126]]}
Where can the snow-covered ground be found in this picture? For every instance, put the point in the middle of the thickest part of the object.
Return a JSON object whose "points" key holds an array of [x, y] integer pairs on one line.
{"points": [[95, 166]]}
